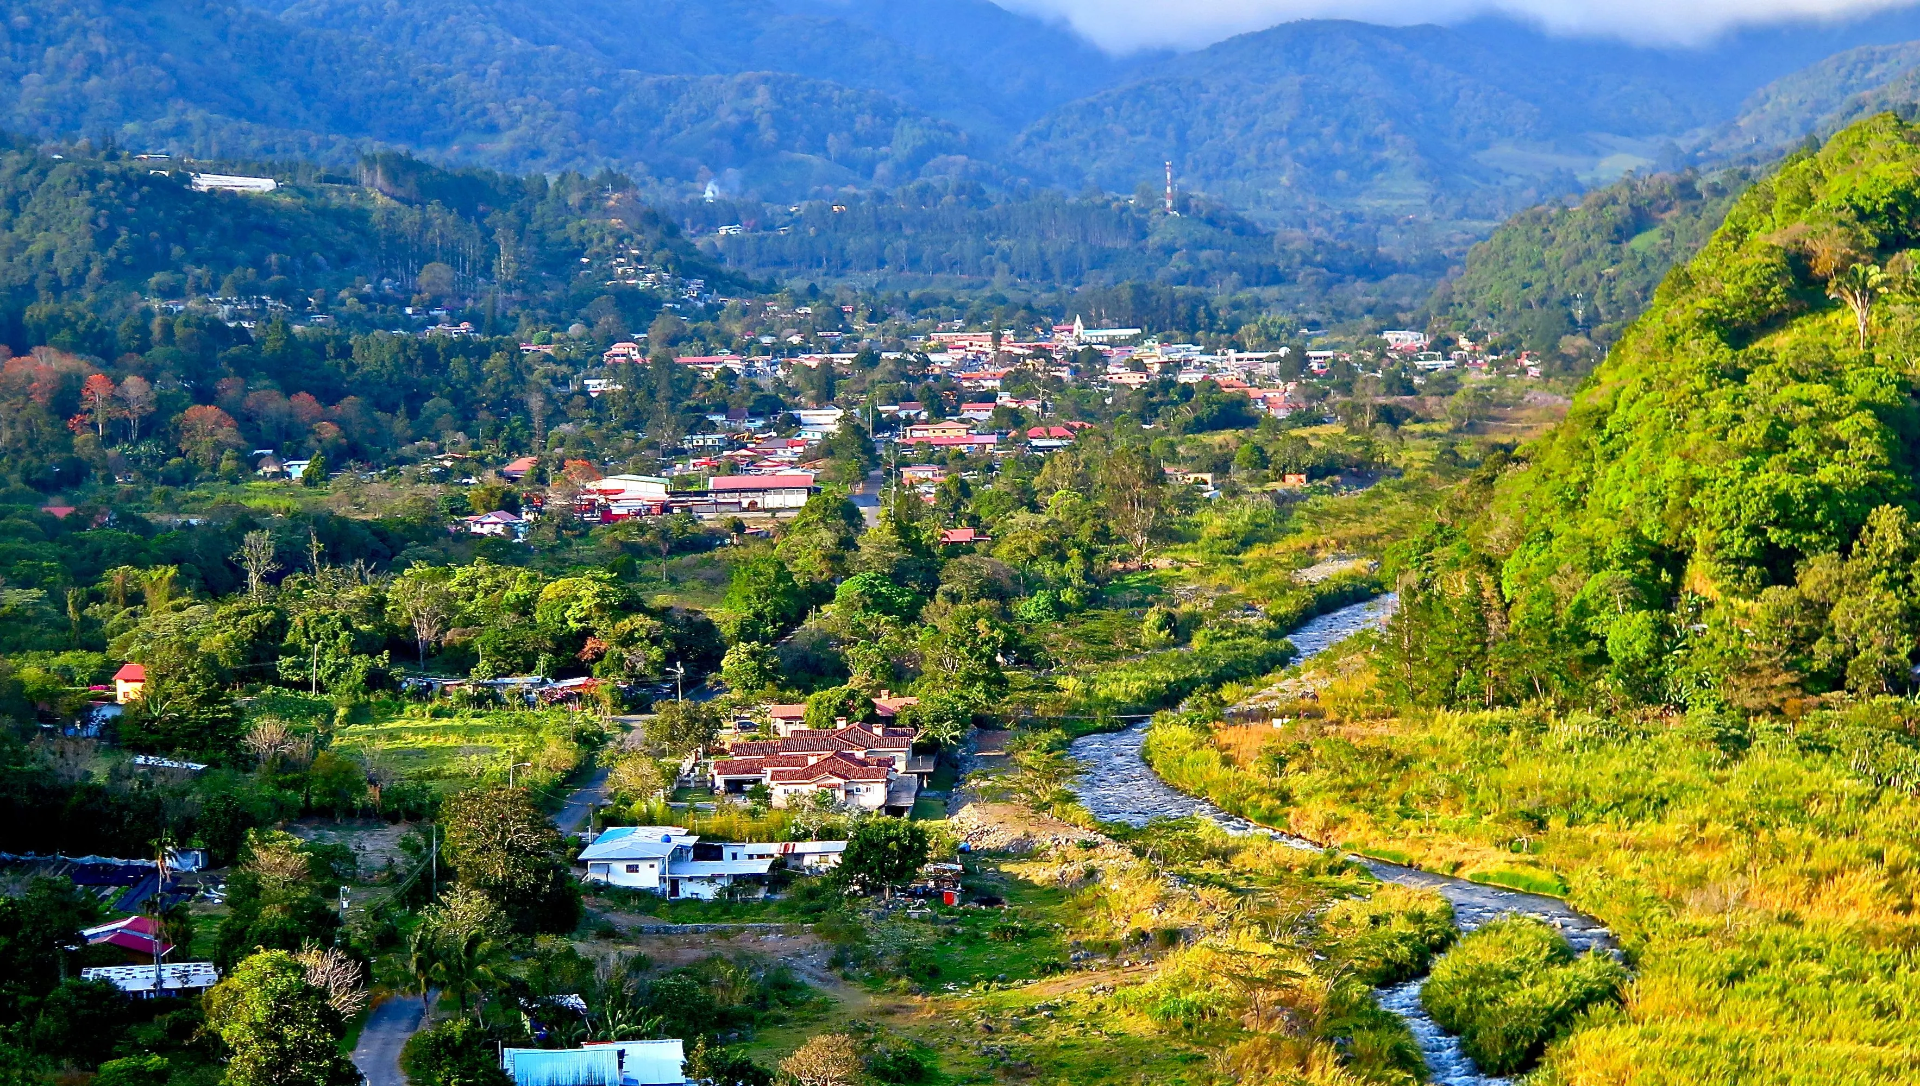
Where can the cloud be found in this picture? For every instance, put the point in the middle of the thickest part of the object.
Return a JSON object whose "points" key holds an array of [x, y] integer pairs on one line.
{"points": [[1123, 26]]}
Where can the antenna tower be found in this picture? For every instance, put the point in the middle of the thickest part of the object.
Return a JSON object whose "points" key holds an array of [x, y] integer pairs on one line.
{"points": [[1170, 209]]}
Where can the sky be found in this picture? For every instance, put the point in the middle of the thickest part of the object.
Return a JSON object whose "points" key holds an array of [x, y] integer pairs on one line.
{"points": [[1123, 26]]}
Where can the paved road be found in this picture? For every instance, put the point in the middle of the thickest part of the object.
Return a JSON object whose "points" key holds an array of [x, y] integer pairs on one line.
{"points": [[866, 497], [572, 816], [394, 1019]]}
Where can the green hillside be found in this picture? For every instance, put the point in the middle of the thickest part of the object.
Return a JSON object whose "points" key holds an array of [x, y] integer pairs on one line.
{"points": [[1821, 98], [1589, 269], [1725, 516]]}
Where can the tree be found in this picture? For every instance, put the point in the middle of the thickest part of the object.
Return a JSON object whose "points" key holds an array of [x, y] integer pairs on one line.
{"points": [[763, 599], [750, 667], [682, 726], [458, 947], [97, 396], [826, 708], [716, 1066], [1134, 488], [421, 599], [830, 1059], [885, 852], [206, 432], [136, 403], [315, 473], [636, 776], [453, 1053], [1858, 285], [504, 847], [817, 541], [280, 1028], [256, 556]]}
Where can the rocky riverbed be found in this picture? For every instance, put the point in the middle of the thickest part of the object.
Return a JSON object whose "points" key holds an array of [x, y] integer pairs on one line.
{"points": [[1119, 786]]}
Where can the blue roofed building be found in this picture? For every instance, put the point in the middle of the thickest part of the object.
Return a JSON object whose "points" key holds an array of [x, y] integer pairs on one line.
{"points": [[614, 1063]]}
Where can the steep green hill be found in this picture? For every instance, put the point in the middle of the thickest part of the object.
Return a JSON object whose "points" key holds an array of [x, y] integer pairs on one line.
{"points": [[1725, 516], [1591, 269]]}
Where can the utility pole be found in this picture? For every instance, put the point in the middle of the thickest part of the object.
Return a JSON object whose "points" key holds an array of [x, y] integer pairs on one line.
{"points": [[343, 916], [516, 765], [313, 671], [679, 675], [433, 858]]}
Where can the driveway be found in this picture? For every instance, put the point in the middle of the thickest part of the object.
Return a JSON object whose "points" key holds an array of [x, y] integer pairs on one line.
{"points": [[393, 1020]]}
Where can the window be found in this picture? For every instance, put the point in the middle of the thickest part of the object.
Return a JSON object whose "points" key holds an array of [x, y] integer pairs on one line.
{"points": [[633, 869]]}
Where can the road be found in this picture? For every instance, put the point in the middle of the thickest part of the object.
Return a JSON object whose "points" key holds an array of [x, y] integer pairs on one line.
{"points": [[866, 497], [396, 1018], [393, 1020]]}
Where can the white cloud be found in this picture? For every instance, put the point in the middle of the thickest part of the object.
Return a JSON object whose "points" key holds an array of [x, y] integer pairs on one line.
{"points": [[1127, 25]]}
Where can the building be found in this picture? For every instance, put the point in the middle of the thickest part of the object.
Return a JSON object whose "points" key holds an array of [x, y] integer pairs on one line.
{"points": [[613, 1063], [224, 182], [667, 860], [623, 352], [949, 428], [962, 535], [499, 523], [759, 493], [129, 683], [517, 469], [146, 982], [850, 781], [138, 936]]}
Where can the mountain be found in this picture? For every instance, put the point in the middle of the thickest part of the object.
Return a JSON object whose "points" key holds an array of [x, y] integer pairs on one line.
{"points": [[1554, 271], [1821, 98], [203, 78], [1724, 518]]}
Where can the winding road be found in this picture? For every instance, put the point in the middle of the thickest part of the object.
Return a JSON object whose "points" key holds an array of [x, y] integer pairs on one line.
{"points": [[1119, 786]]}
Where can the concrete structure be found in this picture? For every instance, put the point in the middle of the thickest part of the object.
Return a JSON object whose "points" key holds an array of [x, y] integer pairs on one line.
{"points": [[760, 493], [615, 1063], [224, 182], [667, 860]]}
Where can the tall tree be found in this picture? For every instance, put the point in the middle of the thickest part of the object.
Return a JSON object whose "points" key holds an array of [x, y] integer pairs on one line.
{"points": [[281, 1029]]}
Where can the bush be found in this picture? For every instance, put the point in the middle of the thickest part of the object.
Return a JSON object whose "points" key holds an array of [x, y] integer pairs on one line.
{"points": [[454, 1053], [75, 1017], [1391, 936], [1513, 987], [135, 1071]]}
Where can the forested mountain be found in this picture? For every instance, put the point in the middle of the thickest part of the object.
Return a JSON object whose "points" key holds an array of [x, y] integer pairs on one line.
{"points": [[1820, 98], [962, 234], [1589, 269], [1725, 516]]}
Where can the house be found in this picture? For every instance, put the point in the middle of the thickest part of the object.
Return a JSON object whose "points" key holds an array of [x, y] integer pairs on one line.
{"points": [[146, 982], [889, 706], [948, 428], [787, 719], [978, 412], [922, 473], [499, 523], [138, 936], [517, 469], [1190, 478], [607, 1063], [850, 780], [271, 467], [891, 745], [807, 856], [623, 352], [129, 683], [962, 535], [667, 860]]}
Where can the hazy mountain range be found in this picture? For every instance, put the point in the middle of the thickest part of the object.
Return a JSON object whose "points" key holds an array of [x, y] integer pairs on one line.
{"points": [[1431, 133]]}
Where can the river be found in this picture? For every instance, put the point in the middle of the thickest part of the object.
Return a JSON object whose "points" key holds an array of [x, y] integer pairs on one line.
{"points": [[1120, 787]]}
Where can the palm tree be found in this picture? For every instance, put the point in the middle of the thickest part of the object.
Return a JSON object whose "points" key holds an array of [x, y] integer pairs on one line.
{"points": [[466, 965], [1858, 285]]}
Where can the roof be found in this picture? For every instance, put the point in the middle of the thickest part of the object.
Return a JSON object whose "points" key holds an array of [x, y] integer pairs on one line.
{"points": [[521, 465], [754, 767], [850, 738], [637, 842], [759, 482], [625, 1063], [841, 766], [498, 516], [787, 712], [130, 673], [795, 848], [961, 535], [892, 706], [134, 979]]}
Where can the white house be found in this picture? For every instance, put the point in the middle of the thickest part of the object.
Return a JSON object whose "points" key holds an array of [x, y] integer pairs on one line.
{"points": [[173, 978], [669, 861], [497, 523], [615, 1063]]}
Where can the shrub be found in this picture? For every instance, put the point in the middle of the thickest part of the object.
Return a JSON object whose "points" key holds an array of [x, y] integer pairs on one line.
{"points": [[1512, 987], [454, 1053], [1391, 936]]}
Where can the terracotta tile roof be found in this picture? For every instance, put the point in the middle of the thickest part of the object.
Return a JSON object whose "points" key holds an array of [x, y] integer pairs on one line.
{"points": [[743, 767], [850, 738], [840, 766], [131, 673]]}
